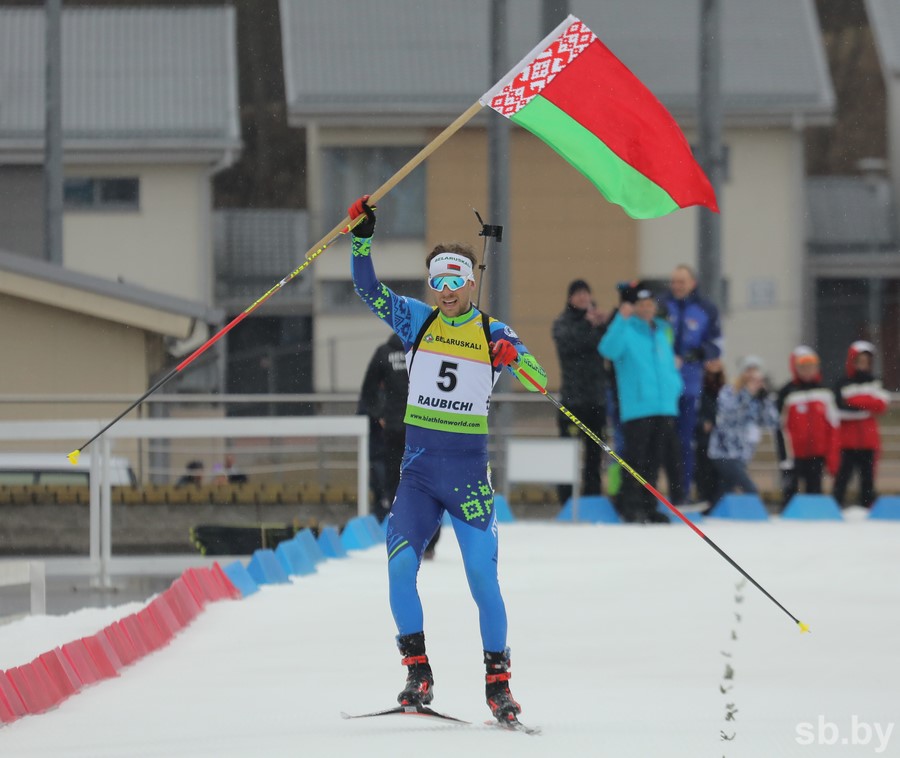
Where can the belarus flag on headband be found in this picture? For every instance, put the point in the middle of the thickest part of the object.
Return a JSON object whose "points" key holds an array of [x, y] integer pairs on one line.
{"points": [[574, 94], [454, 267]]}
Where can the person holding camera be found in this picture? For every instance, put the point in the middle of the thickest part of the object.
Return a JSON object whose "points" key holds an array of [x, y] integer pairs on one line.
{"points": [[576, 333], [639, 344]]}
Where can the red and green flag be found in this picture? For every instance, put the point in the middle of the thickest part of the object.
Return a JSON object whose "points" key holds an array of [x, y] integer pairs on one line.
{"points": [[575, 95]]}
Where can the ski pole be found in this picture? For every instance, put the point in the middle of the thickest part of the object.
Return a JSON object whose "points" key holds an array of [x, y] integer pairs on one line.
{"points": [[658, 495], [345, 226]]}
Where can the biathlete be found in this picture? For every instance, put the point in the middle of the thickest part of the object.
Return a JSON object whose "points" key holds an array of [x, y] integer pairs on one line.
{"points": [[454, 357]]}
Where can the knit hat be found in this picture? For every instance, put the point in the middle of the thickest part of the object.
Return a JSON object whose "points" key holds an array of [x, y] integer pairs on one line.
{"points": [[576, 286]]}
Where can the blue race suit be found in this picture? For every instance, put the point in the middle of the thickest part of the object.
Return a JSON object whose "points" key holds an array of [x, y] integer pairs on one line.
{"points": [[445, 465], [698, 338]]}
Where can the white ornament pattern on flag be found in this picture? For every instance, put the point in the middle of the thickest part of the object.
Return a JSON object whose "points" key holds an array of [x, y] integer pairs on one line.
{"points": [[543, 69]]}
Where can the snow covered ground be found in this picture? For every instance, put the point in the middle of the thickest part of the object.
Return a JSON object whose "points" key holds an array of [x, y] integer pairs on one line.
{"points": [[623, 640]]}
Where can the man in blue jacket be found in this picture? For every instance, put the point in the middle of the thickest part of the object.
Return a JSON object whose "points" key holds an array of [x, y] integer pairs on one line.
{"points": [[640, 346], [697, 341]]}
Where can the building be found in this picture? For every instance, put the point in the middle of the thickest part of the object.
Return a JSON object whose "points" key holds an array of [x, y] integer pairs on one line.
{"points": [[149, 115], [373, 83]]}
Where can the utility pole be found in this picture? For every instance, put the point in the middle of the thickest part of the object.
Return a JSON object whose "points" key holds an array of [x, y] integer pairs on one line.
{"points": [[711, 158], [53, 160], [498, 167]]}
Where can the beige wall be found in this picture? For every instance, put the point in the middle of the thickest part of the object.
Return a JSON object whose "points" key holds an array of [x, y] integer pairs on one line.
{"points": [[50, 351], [165, 246]]}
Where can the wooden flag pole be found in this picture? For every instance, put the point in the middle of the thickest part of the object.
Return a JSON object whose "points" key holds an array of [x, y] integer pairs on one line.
{"points": [[310, 256]]}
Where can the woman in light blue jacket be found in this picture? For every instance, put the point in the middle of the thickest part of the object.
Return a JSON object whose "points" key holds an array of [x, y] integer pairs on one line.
{"points": [[649, 385]]}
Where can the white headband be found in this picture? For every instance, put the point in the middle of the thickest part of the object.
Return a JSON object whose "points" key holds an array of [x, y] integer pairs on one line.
{"points": [[451, 264]]}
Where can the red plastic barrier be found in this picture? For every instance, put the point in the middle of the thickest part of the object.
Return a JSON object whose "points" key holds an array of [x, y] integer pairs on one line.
{"points": [[165, 619], [208, 583], [169, 597], [105, 658], [121, 643], [189, 604], [80, 659], [7, 714], [151, 630], [61, 672], [190, 581], [37, 690], [11, 695], [227, 586], [136, 635]]}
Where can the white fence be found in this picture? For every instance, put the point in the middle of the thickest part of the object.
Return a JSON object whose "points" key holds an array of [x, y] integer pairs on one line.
{"points": [[77, 432], [18, 573]]}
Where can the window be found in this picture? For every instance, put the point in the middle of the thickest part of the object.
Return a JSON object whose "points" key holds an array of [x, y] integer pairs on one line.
{"points": [[113, 193], [353, 171]]}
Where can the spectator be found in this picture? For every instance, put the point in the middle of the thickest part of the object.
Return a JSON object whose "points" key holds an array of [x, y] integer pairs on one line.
{"points": [[577, 332], [860, 400], [226, 473], [383, 399], [640, 347], [705, 476], [741, 409], [810, 427], [698, 340], [193, 475]]}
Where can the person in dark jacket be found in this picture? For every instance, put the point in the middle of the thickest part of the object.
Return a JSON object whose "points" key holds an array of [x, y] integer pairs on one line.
{"points": [[705, 476], [860, 400], [577, 332], [698, 340], [383, 399]]}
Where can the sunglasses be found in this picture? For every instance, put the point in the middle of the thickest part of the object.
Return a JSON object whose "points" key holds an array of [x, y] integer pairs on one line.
{"points": [[438, 283]]}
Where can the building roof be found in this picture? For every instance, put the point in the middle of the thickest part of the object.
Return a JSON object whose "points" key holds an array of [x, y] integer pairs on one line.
{"points": [[53, 285], [884, 20], [133, 79], [428, 58]]}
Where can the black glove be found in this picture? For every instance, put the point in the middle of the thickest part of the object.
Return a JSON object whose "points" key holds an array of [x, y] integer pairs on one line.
{"points": [[365, 228]]}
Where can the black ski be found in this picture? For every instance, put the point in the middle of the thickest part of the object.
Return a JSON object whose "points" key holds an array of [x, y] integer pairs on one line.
{"points": [[514, 725], [407, 710]]}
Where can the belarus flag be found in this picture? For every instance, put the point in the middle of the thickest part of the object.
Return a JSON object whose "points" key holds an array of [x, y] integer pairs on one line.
{"points": [[574, 94]]}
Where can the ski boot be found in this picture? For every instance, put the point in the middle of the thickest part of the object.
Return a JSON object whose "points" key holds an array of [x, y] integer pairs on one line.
{"points": [[419, 679], [499, 698]]}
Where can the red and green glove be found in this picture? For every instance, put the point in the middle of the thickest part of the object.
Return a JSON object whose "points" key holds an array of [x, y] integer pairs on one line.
{"points": [[503, 353]]}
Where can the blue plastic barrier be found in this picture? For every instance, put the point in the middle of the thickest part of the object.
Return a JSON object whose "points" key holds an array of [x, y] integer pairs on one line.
{"points": [[306, 538], [501, 508], [741, 507], [375, 529], [808, 507], [357, 535], [330, 542], [887, 508], [264, 568], [592, 509], [294, 558], [237, 574]]}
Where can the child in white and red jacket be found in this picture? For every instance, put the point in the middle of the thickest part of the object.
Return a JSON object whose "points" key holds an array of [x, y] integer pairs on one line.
{"points": [[809, 424], [860, 399]]}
